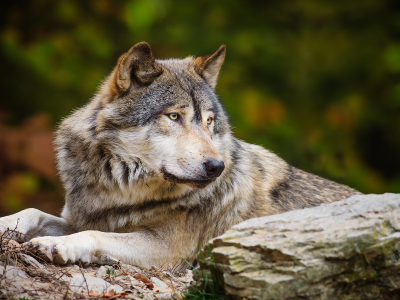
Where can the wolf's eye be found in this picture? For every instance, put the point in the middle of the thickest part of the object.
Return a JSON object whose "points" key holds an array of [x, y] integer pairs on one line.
{"points": [[173, 116], [209, 120]]}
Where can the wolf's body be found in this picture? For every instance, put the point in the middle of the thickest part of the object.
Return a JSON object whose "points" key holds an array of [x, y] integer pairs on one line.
{"points": [[142, 162]]}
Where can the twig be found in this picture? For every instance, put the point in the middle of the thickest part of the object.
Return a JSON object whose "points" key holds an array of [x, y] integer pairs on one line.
{"points": [[64, 273], [87, 287], [6, 258], [66, 293], [7, 234]]}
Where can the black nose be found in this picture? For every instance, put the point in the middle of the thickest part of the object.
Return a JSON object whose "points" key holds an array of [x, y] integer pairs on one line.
{"points": [[214, 167]]}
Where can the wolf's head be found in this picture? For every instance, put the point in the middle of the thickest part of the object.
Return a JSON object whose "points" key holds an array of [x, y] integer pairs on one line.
{"points": [[166, 115]]}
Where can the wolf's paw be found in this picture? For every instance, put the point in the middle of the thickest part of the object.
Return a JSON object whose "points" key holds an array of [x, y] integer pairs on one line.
{"points": [[58, 250], [76, 248]]}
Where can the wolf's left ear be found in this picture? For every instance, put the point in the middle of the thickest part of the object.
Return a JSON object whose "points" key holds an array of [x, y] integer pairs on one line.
{"points": [[208, 66]]}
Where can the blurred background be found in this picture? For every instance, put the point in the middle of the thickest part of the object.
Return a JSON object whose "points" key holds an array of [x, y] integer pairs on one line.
{"points": [[317, 82]]}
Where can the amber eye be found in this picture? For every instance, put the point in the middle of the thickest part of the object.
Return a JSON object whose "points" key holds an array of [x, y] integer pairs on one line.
{"points": [[173, 116], [209, 120]]}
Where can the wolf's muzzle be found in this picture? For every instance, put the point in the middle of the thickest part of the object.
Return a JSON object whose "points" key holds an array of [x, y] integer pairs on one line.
{"points": [[214, 167]]}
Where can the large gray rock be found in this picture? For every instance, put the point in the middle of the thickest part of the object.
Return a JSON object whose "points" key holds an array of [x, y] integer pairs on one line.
{"points": [[344, 250]]}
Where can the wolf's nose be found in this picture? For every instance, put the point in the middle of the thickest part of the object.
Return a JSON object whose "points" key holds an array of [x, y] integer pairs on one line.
{"points": [[214, 167]]}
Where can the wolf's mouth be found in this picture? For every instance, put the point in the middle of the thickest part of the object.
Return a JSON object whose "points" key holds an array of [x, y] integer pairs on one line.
{"points": [[200, 183]]}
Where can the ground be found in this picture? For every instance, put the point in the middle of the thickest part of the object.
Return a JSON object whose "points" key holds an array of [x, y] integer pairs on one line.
{"points": [[24, 276]]}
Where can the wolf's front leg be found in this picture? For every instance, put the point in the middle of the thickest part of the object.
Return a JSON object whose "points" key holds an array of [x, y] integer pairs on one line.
{"points": [[33, 222], [142, 248]]}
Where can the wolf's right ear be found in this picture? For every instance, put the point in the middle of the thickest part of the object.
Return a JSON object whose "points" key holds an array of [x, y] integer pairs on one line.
{"points": [[208, 66], [136, 67]]}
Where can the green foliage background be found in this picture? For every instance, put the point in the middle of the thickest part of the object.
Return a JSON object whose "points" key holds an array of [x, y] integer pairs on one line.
{"points": [[317, 82]]}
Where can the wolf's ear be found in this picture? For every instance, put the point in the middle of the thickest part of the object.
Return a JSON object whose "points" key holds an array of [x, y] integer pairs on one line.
{"points": [[208, 66], [136, 67]]}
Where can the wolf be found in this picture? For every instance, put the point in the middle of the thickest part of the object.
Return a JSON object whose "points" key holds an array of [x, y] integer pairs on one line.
{"points": [[151, 170]]}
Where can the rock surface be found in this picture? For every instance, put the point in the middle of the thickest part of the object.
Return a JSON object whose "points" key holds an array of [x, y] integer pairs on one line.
{"points": [[344, 250]]}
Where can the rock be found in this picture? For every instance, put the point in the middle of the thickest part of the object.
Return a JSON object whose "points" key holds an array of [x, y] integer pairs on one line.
{"points": [[169, 296], [13, 273], [168, 274], [159, 284], [349, 249], [78, 284], [101, 272], [130, 268], [29, 260], [188, 278]]}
